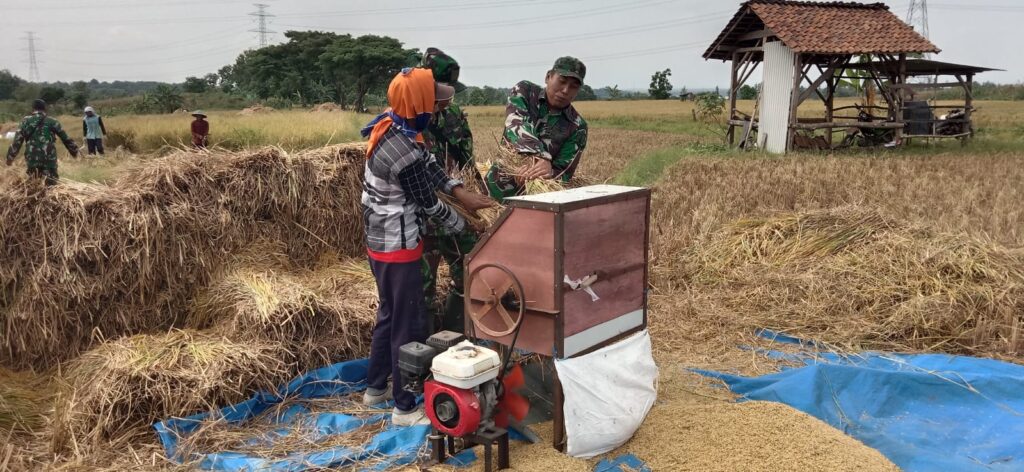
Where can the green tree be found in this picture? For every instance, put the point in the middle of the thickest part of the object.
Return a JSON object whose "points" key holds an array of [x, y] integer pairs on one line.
{"points": [[27, 92], [80, 94], [661, 88], [586, 93], [365, 63], [8, 84], [51, 95], [747, 92], [194, 85], [289, 70], [613, 92], [164, 99], [211, 80]]}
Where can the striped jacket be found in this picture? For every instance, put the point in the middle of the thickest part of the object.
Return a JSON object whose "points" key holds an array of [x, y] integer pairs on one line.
{"points": [[398, 192]]}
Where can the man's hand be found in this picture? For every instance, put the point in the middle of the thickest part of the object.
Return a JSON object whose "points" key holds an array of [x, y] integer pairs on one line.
{"points": [[541, 169], [472, 201]]}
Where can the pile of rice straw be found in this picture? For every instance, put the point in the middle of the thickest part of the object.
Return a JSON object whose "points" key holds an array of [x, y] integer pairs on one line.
{"points": [[86, 262]]}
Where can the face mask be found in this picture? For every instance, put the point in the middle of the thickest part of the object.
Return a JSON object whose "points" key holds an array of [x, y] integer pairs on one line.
{"points": [[422, 120]]}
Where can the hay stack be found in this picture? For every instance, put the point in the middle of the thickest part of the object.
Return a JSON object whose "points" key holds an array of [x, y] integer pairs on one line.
{"points": [[326, 108], [83, 262], [321, 315], [853, 278], [115, 392], [255, 110]]}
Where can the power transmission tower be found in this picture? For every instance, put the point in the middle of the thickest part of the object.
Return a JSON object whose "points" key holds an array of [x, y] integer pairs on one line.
{"points": [[33, 63], [261, 21], [917, 17]]}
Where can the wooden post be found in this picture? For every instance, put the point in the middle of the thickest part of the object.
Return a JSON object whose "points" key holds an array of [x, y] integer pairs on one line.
{"points": [[900, 79], [829, 107], [732, 97], [969, 99], [798, 78]]}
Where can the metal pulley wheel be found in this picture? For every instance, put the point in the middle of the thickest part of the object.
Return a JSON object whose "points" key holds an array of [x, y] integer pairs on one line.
{"points": [[494, 300]]}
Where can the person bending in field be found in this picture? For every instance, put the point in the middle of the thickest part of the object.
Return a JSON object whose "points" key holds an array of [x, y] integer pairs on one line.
{"points": [[541, 122], [200, 130]]}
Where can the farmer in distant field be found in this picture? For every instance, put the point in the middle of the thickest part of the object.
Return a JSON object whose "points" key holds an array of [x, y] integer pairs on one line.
{"points": [[400, 181], [39, 133], [93, 131], [450, 141], [200, 130], [541, 122]]}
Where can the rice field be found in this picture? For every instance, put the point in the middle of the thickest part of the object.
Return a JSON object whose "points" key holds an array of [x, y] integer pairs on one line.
{"points": [[166, 281]]}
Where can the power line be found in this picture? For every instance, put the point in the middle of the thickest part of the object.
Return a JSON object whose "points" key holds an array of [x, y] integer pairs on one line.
{"points": [[33, 63], [261, 15]]}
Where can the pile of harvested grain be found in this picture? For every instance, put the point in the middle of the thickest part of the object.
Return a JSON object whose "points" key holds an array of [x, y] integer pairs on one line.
{"points": [[723, 436], [96, 261], [256, 109], [320, 315], [855, 279], [114, 392], [326, 108]]}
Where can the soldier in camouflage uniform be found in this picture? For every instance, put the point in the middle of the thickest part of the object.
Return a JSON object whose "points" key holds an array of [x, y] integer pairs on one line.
{"points": [[541, 122], [39, 133], [449, 139]]}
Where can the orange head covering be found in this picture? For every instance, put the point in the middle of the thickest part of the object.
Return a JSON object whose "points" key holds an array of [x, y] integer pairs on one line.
{"points": [[411, 104]]}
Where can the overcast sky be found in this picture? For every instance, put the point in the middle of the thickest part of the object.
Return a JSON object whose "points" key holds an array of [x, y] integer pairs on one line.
{"points": [[497, 42]]}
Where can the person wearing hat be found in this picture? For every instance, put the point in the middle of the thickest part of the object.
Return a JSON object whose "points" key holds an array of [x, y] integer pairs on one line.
{"points": [[39, 133], [451, 142], [541, 122], [400, 179], [93, 131], [200, 130]]}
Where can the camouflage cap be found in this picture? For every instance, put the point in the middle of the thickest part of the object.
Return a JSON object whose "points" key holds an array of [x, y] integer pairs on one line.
{"points": [[568, 66], [445, 68]]}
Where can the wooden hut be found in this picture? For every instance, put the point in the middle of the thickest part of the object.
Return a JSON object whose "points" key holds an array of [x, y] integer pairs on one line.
{"points": [[805, 47]]}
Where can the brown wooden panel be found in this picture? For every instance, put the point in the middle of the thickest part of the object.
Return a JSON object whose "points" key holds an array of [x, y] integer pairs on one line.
{"points": [[524, 243], [609, 239], [537, 334]]}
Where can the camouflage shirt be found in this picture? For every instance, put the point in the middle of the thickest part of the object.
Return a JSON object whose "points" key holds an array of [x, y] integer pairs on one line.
{"points": [[450, 141], [40, 147], [532, 128]]}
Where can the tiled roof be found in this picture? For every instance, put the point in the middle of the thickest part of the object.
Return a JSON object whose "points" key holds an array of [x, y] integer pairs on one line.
{"points": [[826, 28]]}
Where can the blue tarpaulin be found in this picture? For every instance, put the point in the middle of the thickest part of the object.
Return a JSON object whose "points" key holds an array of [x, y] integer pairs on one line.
{"points": [[925, 412], [391, 447]]}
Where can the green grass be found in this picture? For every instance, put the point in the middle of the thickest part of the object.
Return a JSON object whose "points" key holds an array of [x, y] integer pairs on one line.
{"points": [[648, 168]]}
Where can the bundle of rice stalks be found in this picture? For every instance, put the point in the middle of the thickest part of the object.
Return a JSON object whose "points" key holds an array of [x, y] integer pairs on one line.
{"points": [[273, 435], [321, 315], [513, 164], [855, 279], [87, 261], [23, 397], [114, 392]]}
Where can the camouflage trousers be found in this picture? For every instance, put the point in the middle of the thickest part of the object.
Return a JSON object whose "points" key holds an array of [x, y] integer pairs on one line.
{"points": [[48, 174], [451, 248]]}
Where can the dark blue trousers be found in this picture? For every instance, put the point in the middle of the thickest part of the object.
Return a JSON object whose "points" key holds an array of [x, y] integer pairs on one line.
{"points": [[401, 319]]}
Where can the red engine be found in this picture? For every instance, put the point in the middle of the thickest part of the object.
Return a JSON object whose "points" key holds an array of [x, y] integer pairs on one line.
{"points": [[453, 411]]}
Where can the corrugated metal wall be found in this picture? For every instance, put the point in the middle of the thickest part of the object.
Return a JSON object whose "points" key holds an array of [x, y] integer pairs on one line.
{"points": [[776, 93]]}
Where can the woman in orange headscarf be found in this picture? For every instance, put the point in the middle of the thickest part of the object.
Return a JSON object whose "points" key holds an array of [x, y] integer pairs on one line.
{"points": [[400, 181]]}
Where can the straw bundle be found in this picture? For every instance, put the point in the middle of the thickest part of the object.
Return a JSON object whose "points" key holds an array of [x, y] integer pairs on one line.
{"points": [[114, 392], [87, 261], [22, 400], [509, 163], [320, 315], [855, 279]]}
